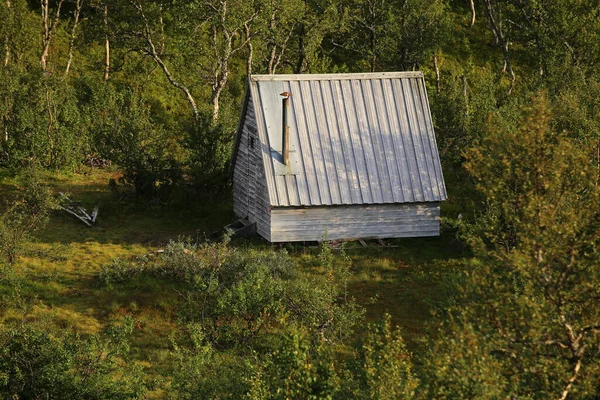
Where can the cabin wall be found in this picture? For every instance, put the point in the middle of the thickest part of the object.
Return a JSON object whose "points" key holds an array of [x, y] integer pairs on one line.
{"points": [[292, 224], [250, 193], [241, 172]]}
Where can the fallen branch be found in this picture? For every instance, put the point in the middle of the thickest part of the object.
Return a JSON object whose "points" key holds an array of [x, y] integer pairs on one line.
{"points": [[75, 209]]}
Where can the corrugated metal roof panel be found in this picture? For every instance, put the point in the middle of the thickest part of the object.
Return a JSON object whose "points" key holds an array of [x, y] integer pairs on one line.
{"points": [[355, 139]]}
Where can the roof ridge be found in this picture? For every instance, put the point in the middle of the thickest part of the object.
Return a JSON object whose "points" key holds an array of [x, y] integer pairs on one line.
{"points": [[333, 77]]}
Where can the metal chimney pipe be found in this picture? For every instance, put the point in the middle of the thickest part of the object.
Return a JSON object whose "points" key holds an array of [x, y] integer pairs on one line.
{"points": [[285, 139]]}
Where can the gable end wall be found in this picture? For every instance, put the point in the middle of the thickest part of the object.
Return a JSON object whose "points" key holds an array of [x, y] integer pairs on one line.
{"points": [[250, 194]]}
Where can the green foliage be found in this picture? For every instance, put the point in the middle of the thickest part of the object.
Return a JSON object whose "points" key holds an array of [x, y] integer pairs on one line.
{"points": [[239, 294], [25, 216], [124, 132], [36, 362], [381, 368], [528, 319], [43, 123], [294, 370], [201, 372], [396, 35], [387, 365], [208, 149]]}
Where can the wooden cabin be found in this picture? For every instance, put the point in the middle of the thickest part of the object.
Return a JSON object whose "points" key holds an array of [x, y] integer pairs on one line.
{"points": [[352, 156]]}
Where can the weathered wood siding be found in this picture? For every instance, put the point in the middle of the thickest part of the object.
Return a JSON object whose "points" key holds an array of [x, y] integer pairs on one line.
{"points": [[291, 224], [250, 194]]}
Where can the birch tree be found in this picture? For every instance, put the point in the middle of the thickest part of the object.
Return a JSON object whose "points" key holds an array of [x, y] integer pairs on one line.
{"points": [[76, 14], [278, 22], [49, 24], [106, 42], [494, 10], [528, 325], [147, 32], [228, 27], [7, 17]]}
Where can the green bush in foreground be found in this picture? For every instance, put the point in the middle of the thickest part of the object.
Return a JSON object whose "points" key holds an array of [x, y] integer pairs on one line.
{"points": [[238, 295], [254, 326], [379, 368], [37, 362]]}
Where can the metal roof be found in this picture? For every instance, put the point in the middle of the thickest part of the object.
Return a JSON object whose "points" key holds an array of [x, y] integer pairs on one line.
{"points": [[354, 139]]}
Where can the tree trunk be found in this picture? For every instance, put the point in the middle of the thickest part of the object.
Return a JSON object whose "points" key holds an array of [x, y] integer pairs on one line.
{"points": [[465, 96], [372, 48], [220, 80], [495, 19], [437, 73], [6, 45], [270, 69], [78, 6], [106, 45], [221, 71], [473, 14], [175, 83], [47, 29], [151, 51], [250, 50]]}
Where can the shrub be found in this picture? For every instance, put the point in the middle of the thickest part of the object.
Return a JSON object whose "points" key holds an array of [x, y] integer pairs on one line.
{"points": [[236, 294], [25, 216], [36, 362]]}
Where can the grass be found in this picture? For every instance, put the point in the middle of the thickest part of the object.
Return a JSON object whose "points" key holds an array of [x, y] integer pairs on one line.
{"points": [[408, 279]]}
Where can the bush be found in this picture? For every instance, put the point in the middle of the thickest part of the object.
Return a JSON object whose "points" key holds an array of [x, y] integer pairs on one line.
{"points": [[237, 294], [45, 123], [36, 363], [380, 370], [25, 216]]}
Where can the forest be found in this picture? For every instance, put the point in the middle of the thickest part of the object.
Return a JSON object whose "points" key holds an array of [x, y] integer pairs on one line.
{"points": [[133, 105]]}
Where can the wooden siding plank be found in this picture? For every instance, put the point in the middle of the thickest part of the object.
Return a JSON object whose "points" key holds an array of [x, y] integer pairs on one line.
{"points": [[337, 236], [352, 222], [240, 172], [314, 213]]}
